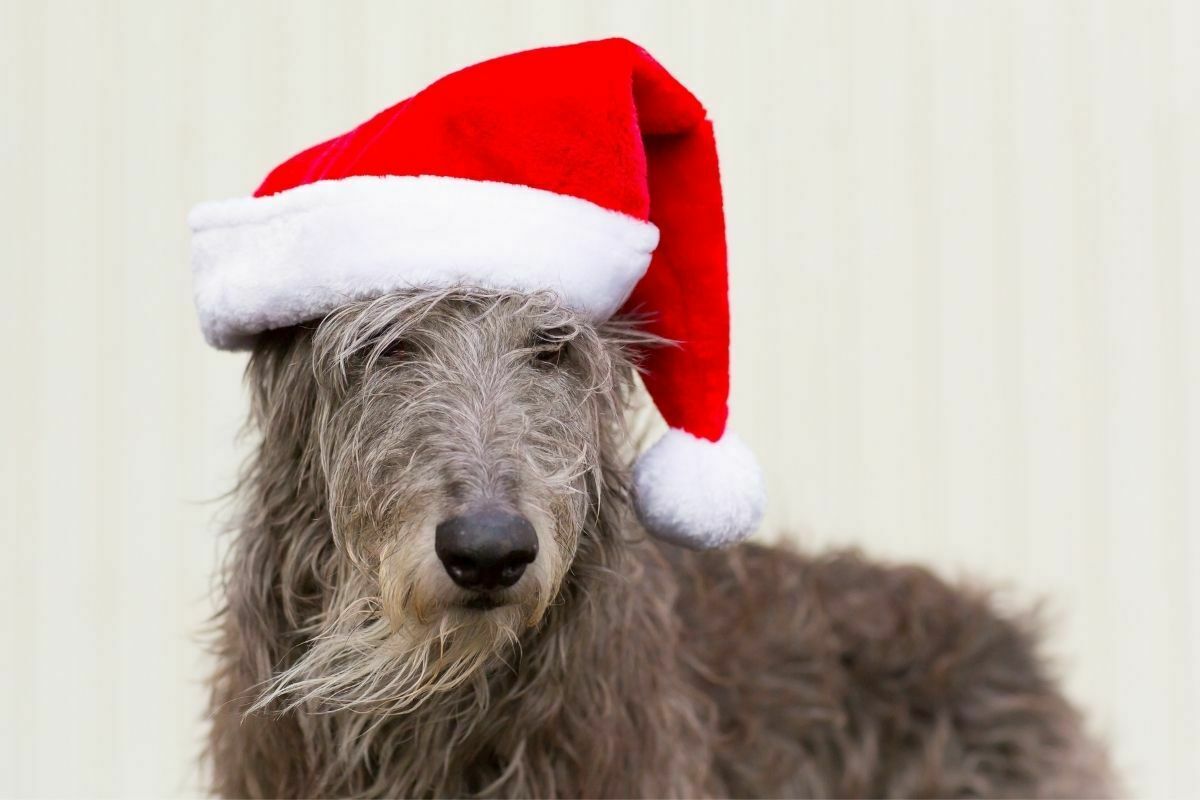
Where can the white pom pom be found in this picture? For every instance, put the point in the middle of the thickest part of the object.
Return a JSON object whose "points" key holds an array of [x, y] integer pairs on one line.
{"points": [[697, 493]]}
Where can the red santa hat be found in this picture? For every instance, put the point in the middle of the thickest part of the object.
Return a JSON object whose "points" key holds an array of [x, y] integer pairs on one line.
{"points": [[587, 170]]}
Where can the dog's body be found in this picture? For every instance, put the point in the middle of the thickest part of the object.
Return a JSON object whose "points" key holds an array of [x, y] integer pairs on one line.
{"points": [[351, 665]]}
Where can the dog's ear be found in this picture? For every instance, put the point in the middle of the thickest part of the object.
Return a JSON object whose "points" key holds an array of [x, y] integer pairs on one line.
{"points": [[283, 386]]}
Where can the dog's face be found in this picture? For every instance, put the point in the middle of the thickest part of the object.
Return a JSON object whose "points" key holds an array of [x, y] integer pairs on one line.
{"points": [[458, 437]]}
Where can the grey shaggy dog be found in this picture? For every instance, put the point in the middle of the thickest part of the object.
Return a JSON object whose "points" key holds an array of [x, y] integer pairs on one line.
{"points": [[351, 663]]}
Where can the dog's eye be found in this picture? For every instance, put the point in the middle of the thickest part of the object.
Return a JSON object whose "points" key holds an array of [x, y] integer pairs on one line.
{"points": [[548, 355], [548, 345], [393, 350]]}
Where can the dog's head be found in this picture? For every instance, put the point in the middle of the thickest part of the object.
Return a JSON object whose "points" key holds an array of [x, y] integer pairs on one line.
{"points": [[458, 444]]}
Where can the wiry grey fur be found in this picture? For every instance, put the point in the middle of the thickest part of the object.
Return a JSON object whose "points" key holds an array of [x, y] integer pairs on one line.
{"points": [[621, 668]]}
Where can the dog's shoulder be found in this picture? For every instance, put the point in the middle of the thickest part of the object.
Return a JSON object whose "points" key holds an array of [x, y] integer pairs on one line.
{"points": [[900, 627], [885, 679], [906, 632]]}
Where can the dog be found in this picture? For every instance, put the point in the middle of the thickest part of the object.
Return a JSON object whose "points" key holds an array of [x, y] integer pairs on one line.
{"points": [[436, 586]]}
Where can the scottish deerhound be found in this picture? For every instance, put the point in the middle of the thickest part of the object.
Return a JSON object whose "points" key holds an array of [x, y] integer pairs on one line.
{"points": [[373, 644]]}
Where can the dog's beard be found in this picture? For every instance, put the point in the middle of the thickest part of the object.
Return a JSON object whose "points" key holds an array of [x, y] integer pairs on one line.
{"points": [[367, 661], [396, 633]]}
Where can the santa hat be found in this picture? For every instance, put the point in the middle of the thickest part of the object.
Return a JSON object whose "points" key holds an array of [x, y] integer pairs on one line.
{"points": [[586, 170]]}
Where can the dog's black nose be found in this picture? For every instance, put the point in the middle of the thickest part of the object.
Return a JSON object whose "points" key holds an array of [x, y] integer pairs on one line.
{"points": [[486, 549]]}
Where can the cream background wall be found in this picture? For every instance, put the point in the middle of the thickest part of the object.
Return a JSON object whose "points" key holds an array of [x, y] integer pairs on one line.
{"points": [[965, 240]]}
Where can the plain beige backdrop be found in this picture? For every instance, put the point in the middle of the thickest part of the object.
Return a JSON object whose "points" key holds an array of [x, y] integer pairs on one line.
{"points": [[965, 249]]}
